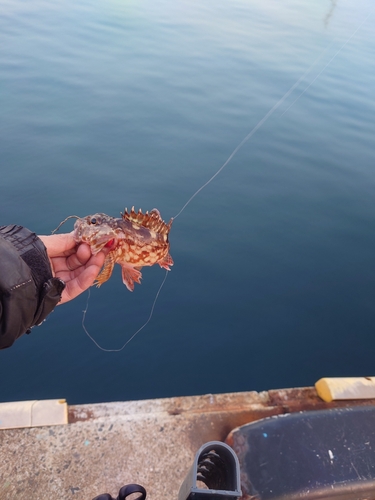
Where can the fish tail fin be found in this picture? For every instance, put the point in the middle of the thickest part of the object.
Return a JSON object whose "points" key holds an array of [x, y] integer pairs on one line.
{"points": [[166, 262]]}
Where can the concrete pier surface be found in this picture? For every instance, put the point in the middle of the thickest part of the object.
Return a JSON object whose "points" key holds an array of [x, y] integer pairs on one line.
{"points": [[151, 442]]}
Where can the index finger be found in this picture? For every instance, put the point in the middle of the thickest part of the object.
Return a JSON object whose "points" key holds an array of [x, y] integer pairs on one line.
{"points": [[59, 244]]}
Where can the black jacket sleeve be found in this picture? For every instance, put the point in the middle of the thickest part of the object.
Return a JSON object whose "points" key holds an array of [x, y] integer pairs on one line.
{"points": [[28, 292]]}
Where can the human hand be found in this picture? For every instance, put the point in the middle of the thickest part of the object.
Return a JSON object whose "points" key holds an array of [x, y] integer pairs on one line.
{"points": [[72, 263]]}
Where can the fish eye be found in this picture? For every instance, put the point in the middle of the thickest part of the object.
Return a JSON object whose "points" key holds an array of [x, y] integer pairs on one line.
{"points": [[93, 221]]}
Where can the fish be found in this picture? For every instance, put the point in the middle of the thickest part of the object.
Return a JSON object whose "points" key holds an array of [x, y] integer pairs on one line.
{"points": [[135, 240]]}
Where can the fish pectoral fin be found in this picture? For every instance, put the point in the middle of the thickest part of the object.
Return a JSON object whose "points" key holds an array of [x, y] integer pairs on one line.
{"points": [[106, 271], [166, 262], [131, 275]]}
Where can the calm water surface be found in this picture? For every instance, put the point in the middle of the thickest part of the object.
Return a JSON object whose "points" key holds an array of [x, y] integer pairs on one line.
{"points": [[111, 104]]}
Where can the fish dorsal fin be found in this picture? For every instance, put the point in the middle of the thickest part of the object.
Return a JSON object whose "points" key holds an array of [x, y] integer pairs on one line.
{"points": [[150, 220]]}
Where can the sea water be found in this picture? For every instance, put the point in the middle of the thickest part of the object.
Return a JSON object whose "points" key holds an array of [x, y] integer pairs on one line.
{"points": [[137, 102]]}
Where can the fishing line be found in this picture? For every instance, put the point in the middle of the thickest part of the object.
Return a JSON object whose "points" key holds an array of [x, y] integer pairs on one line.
{"points": [[230, 157], [134, 334], [249, 135], [329, 62], [272, 110], [63, 222]]}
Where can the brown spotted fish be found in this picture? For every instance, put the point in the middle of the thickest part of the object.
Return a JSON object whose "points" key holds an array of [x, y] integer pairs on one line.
{"points": [[135, 240]]}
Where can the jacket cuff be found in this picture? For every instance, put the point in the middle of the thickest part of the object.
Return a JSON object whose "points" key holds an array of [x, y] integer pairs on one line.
{"points": [[33, 252]]}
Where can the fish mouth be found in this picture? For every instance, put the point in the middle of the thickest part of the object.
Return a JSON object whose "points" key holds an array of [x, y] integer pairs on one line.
{"points": [[111, 244], [98, 243]]}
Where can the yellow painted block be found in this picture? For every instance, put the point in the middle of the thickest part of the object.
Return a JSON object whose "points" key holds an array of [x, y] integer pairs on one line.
{"points": [[331, 389], [33, 413]]}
